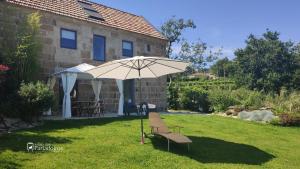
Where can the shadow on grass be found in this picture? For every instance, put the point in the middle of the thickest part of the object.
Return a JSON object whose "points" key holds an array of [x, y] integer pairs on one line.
{"points": [[211, 150], [17, 140], [9, 163]]}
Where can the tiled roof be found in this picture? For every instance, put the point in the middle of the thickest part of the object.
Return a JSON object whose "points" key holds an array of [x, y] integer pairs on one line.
{"points": [[112, 17]]}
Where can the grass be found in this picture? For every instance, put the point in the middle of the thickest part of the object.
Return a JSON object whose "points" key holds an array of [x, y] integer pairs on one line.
{"points": [[218, 142]]}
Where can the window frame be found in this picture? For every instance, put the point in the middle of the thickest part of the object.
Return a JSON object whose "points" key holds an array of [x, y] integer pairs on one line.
{"points": [[127, 41], [69, 30], [104, 57]]}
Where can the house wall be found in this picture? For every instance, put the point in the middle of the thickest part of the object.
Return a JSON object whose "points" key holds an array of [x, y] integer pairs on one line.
{"points": [[54, 58]]}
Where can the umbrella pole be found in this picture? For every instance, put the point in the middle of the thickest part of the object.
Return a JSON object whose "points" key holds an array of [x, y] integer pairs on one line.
{"points": [[141, 116]]}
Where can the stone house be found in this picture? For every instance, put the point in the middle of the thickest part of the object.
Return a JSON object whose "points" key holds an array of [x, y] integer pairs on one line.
{"points": [[80, 31]]}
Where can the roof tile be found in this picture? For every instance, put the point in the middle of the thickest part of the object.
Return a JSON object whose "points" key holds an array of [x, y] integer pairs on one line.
{"points": [[112, 17]]}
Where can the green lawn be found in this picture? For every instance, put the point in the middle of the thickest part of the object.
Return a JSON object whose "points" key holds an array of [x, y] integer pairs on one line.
{"points": [[218, 142]]}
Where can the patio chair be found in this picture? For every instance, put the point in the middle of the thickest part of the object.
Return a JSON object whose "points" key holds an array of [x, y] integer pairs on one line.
{"points": [[130, 108], [159, 128], [98, 108], [87, 108], [144, 109]]}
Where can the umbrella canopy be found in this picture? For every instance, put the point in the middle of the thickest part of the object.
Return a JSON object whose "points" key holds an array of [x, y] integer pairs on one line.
{"points": [[138, 67], [80, 70]]}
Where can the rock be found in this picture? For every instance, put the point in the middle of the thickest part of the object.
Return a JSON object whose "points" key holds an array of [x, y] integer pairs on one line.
{"points": [[229, 112], [236, 113], [233, 110], [265, 108], [257, 115]]}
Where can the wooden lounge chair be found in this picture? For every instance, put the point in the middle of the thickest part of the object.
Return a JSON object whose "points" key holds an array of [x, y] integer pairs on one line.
{"points": [[159, 128]]}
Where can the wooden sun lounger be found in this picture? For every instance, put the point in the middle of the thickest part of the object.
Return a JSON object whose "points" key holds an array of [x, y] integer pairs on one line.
{"points": [[158, 127]]}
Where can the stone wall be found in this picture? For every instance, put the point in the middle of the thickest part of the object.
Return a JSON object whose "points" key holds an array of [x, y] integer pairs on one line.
{"points": [[54, 58]]}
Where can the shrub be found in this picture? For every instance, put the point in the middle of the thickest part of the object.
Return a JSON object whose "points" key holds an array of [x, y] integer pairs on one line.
{"points": [[275, 121], [8, 107], [173, 96], [293, 102], [276, 102], [35, 98], [195, 99], [221, 99], [289, 119], [285, 102], [248, 98], [287, 106], [203, 96]]}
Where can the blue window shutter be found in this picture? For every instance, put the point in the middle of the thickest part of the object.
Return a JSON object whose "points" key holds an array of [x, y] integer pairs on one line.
{"points": [[127, 48], [68, 39], [99, 48]]}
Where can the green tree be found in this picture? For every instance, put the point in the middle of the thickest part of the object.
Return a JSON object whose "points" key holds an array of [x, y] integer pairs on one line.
{"points": [[172, 29], [19, 49], [223, 68], [266, 63], [28, 49], [296, 78], [20, 46], [198, 54]]}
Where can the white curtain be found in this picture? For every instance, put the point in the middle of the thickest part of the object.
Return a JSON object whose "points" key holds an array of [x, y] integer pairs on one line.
{"points": [[68, 81], [51, 82], [121, 100], [96, 84]]}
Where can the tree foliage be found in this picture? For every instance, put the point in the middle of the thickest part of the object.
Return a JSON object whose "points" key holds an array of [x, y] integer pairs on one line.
{"points": [[35, 98], [296, 78], [198, 54], [19, 49], [172, 29], [28, 48], [223, 68], [266, 63]]}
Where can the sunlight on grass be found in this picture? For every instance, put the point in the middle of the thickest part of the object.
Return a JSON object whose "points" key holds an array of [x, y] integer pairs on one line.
{"points": [[218, 142]]}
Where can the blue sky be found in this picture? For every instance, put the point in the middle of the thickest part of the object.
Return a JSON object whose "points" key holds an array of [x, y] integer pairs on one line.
{"points": [[221, 23]]}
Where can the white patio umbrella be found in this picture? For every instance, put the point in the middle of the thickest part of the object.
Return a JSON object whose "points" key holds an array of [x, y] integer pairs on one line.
{"points": [[138, 67]]}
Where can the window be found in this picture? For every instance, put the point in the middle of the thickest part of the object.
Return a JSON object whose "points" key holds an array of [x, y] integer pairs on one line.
{"points": [[99, 48], [127, 48], [90, 10], [68, 39], [148, 48]]}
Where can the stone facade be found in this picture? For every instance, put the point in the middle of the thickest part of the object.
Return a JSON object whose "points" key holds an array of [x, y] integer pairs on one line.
{"points": [[54, 58]]}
